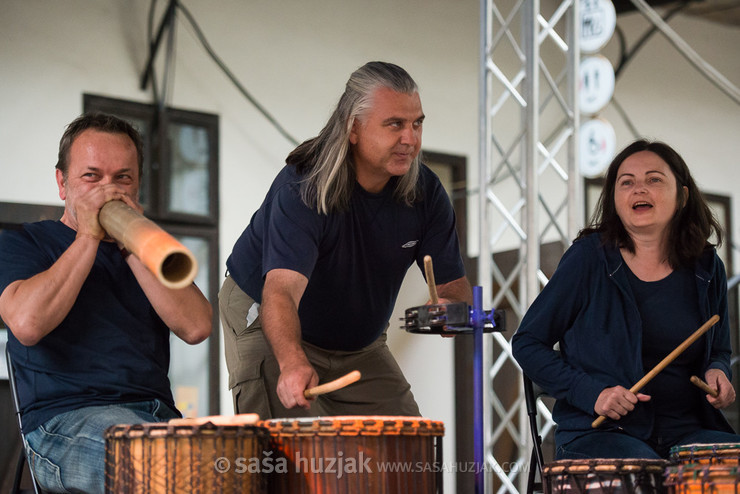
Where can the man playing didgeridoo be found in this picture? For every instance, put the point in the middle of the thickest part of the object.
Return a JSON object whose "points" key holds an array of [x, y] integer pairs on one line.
{"points": [[89, 323]]}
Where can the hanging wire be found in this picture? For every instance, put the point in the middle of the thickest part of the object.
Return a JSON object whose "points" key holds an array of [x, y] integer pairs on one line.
{"points": [[627, 121], [700, 64], [149, 40], [168, 78], [627, 56], [232, 77]]}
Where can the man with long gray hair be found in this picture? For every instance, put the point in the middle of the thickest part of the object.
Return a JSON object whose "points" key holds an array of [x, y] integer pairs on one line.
{"points": [[314, 277]]}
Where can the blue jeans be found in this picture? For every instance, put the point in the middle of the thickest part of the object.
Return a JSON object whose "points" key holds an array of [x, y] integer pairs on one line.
{"points": [[67, 453], [615, 444]]}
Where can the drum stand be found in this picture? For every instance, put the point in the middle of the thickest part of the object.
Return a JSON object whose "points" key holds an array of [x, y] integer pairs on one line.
{"points": [[453, 319]]}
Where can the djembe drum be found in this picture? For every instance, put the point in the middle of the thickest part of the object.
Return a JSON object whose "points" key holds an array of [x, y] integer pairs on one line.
{"points": [[712, 454], [604, 476], [356, 454], [704, 468], [180, 458]]}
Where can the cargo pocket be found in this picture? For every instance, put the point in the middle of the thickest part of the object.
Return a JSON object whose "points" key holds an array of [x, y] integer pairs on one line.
{"points": [[235, 307], [249, 390]]}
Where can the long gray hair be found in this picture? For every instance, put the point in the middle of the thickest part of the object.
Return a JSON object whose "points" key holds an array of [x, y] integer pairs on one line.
{"points": [[326, 159]]}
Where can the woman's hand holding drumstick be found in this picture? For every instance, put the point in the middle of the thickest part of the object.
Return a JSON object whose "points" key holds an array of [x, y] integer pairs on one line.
{"points": [[717, 380], [664, 363], [703, 386], [334, 385]]}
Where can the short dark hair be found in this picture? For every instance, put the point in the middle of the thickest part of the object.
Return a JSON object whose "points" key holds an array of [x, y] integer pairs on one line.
{"points": [[691, 226], [103, 123]]}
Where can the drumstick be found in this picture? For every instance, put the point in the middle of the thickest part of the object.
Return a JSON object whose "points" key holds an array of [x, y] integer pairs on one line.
{"points": [[703, 386], [664, 363], [241, 419], [333, 385], [430, 280]]}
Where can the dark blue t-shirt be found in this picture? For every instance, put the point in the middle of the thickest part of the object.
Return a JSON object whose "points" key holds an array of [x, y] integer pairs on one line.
{"points": [[355, 260], [670, 313], [112, 347]]}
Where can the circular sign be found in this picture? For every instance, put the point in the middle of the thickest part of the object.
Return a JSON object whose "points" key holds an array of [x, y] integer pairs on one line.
{"points": [[596, 84], [597, 143], [598, 20]]}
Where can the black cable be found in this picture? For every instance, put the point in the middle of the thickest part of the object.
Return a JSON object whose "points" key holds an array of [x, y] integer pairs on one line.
{"points": [[169, 68], [631, 126], [623, 54], [149, 39], [623, 62], [231, 76]]}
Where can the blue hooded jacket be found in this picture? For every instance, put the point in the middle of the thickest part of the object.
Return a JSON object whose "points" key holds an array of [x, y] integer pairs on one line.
{"points": [[588, 308]]}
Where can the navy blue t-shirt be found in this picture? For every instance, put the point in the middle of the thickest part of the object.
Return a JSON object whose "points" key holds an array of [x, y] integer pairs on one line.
{"points": [[670, 313], [112, 347], [355, 260]]}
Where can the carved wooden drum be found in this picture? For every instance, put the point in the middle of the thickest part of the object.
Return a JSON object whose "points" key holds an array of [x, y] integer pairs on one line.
{"points": [[713, 454], [704, 468], [604, 476], [177, 458], [356, 455]]}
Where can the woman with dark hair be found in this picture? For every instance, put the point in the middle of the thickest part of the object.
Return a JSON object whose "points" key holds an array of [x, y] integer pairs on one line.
{"points": [[635, 284]]}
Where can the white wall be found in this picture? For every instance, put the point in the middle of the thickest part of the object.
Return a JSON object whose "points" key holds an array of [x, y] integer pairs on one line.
{"points": [[294, 56]]}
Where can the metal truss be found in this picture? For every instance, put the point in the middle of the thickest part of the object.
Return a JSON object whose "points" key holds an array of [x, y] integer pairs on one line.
{"points": [[529, 194]]}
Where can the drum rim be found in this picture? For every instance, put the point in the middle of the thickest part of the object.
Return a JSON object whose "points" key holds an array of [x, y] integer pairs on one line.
{"points": [[604, 465], [162, 429], [355, 425]]}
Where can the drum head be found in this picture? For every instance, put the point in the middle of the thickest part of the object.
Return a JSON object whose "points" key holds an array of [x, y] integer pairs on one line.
{"points": [[347, 425]]}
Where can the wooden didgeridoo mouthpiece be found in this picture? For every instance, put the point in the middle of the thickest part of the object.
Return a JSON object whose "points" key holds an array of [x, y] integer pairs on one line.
{"points": [[170, 261]]}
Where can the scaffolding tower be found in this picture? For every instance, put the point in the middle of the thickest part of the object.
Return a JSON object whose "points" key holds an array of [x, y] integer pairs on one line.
{"points": [[529, 195]]}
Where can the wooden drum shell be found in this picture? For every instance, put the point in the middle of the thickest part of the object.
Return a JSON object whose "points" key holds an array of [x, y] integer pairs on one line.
{"points": [[355, 455], [604, 476], [704, 468], [164, 458]]}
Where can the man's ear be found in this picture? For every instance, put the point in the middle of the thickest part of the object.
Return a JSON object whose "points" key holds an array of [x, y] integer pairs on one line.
{"points": [[353, 136], [61, 185]]}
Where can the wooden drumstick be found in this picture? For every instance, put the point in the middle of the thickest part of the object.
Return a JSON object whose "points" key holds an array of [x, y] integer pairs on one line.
{"points": [[430, 280], [334, 385], [664, 363], [241, 419], [703, 386]]}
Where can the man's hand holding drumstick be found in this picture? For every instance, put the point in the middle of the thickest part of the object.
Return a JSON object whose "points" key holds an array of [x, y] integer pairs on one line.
{"points": [[458, 290], [455, 291], [334, 385]]}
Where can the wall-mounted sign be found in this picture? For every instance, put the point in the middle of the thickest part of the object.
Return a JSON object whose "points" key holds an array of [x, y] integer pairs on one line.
{"points": [[598, 20], [596, 84], [597, 144]]}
